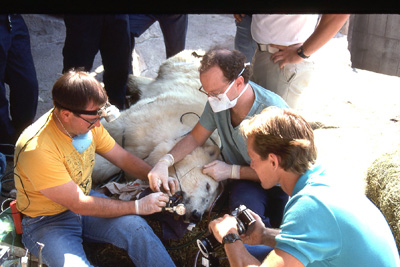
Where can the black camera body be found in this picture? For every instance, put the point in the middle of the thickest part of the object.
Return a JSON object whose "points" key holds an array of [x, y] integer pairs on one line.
{"points": [[244, 219]]}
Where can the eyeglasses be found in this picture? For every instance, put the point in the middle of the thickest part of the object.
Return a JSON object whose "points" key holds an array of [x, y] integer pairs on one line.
{"points": [[207, 94], [91, 123], [213, 95]]}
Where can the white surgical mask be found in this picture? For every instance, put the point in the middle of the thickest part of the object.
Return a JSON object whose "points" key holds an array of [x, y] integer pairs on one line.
{"points": [[82, 142], [222, 102]]}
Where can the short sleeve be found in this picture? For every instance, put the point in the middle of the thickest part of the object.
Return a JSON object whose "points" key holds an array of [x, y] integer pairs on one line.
{"points": [[207, 119], [309, 230]]}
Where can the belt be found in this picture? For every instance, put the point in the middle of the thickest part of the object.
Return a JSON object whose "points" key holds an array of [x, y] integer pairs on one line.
{"points": [[267, 47]]}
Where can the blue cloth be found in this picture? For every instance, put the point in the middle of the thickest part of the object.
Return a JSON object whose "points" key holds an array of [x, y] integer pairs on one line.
{"points": [[109, 34], [173, 27], [18, 71], [243, 40], [326, 224], [64, 233]]}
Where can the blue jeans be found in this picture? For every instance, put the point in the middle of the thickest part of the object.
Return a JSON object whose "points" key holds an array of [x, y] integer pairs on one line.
{"points": [[267, 203], [173, 27], [260, 252], [243, 40], [18, 71], [63, 234], [109, 34]]}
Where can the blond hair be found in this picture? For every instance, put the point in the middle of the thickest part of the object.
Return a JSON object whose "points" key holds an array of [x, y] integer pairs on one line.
{"points": [[284, 133]]}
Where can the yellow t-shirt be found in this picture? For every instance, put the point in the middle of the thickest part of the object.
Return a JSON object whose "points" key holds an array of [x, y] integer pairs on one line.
{"points": [[49, 160]]}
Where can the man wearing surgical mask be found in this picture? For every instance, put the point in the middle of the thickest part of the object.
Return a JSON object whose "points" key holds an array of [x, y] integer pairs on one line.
{"points": [[54, 160], [224, 76]]}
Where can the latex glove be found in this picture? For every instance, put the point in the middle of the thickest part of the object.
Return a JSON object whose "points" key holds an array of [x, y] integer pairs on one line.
{"points": [[151, 203], [173, 184], [158, 175], [220, 170]]}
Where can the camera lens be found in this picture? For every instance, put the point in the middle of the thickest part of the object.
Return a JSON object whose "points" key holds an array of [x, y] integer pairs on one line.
{"points": [[207, 245]]}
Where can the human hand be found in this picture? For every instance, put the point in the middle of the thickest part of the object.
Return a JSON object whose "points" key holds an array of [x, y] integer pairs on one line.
{"points": [[151, 203], [220, 227], [238, 17], [173, 184], [158, 175], [220, 170], [254, 233], [286, 55]]}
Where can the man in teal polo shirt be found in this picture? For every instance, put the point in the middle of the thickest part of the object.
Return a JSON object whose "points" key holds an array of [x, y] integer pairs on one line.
{"points": [[324, 223]]}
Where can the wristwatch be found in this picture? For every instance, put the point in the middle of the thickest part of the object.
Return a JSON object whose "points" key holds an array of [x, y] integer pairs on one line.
{"points": [[300, 52], [230, 238]]}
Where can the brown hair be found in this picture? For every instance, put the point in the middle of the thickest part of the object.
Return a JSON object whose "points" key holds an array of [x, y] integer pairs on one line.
{"points": [[284, 133], [76, 89], [230, 62]]}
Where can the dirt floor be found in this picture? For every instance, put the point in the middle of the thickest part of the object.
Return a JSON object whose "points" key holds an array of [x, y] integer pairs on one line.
{"points": [[358, 110]]}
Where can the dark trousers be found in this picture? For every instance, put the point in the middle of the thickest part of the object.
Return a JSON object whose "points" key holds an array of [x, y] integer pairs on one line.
{"points": [[109, 34], [173, 27], [268, 204], [18, 71]]}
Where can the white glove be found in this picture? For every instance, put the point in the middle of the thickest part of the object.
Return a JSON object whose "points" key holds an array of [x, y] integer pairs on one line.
{"points": [[220, 170], [151, 203], [159, 174]]}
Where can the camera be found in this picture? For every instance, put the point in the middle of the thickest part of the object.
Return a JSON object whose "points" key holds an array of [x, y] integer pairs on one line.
{"points": [[175, 204], [109, 112], [244, 219]]}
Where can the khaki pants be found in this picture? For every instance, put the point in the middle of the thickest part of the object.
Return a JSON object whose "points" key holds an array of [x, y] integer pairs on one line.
{"points": [[288, 82]]}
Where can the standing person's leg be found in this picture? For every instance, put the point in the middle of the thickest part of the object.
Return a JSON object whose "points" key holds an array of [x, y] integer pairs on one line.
{"points": [[115, 49], [288, 82], [138, 24], [174, 29], [21, 77], [7, 130], [82, 40], [131, 233], [243, 40], [61, 235]]}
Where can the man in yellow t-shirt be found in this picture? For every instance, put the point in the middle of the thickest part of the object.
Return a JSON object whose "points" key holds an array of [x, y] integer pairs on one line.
{"points": [[54, 159]]}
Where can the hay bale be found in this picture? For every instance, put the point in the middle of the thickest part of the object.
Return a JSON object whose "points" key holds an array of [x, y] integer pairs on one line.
{"points": [[383, 189]]}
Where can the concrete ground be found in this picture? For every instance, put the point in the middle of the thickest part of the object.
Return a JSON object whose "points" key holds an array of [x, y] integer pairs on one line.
{"points": [[359, 108]]}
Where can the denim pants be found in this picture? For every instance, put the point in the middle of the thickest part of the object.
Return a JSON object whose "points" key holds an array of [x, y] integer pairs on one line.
{"points": [[88, 34], [243, 40], [173, 26], [18, 71], [63, 234], [268, 204]]}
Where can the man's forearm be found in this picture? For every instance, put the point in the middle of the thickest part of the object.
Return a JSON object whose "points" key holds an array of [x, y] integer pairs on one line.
{"points": [[104, 207], [239, 256], [327, 28], [247, 173], [268, 237]]}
